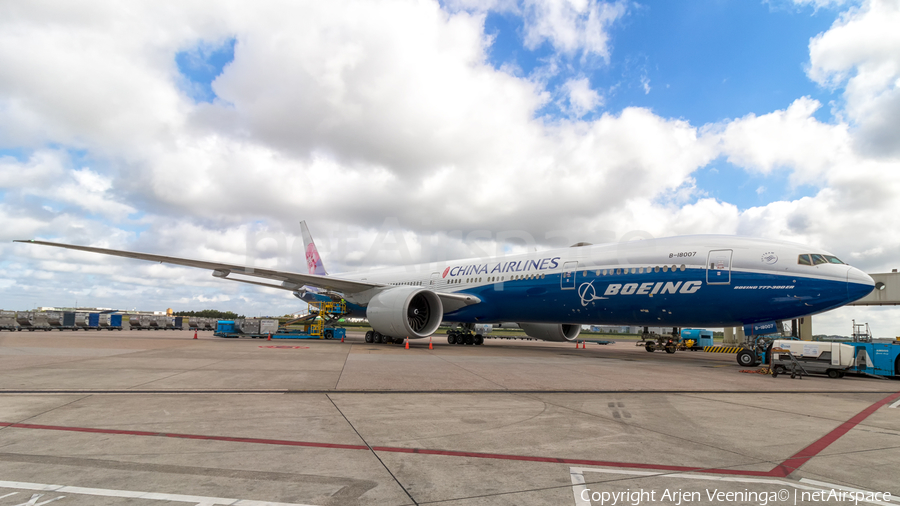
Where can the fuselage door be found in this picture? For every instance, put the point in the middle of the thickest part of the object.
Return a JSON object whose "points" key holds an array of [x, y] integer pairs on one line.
{"points": [[569, 273], [718, 267], [435, 277]]}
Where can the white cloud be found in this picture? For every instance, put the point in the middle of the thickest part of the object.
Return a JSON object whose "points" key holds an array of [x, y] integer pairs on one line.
{"points": [[822, 4], [861, 52], [572, 26], [581, 97], [792, 138]]}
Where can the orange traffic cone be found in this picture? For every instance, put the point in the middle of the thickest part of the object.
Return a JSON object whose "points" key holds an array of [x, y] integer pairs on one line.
{"points": [[429, 343], [407, 343], [577, 345], [583, 345], [270, 337], [342, 339], [195, 334]]}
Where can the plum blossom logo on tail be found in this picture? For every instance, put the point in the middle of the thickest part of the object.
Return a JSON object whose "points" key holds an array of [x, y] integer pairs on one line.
{"points": [[313, 260]]}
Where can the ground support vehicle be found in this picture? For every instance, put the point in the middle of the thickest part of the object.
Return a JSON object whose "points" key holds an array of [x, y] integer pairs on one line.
{"points": [[265, 329], [314, 324], [876, 358], [804, 357], [326, 333], [182, 323], [8, 321], [651, 341], [139, 321], [105, 321], [75, 321], [32, 320], [696, 339]]}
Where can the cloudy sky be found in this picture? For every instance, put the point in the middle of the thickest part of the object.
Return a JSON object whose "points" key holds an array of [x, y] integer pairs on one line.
{"points": [[417, 130]]}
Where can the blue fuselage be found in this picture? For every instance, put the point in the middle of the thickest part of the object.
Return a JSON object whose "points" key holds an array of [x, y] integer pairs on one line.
{"points": [[679, 281]]}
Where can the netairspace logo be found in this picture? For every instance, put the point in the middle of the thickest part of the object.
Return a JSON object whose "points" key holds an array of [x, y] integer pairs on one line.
{"points": [[716, 496]]}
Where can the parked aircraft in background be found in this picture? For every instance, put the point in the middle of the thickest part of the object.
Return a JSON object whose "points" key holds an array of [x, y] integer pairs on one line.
{"points": [[696, 281]]}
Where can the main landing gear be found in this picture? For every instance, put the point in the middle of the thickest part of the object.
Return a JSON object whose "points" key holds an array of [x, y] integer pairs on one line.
{"points": [[466, 337], [377, 337]]}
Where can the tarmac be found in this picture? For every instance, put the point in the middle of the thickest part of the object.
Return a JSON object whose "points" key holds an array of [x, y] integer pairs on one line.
{"points": [[160, 418]]}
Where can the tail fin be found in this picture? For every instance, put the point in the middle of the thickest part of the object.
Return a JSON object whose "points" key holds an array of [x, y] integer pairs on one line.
{"points": [[313, 260]]}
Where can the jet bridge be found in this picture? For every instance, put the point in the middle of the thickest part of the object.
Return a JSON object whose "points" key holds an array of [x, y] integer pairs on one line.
{"points": [[886, 292]]}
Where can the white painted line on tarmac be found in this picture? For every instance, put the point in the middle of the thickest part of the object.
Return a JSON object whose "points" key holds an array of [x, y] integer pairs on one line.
{"points": [[197, 500], [896, 404], [580, 489], [34, 500]]}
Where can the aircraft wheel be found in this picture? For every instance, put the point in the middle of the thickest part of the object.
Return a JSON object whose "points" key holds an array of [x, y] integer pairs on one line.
{"points": [[746, 358], [451, 338], [378, 338], [370, 338], [470, 340], [479, 339], [460, 339], [388, 339]]}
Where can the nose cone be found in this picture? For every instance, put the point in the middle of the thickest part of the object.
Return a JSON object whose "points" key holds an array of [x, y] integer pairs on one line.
{"points": [[859, 284]]}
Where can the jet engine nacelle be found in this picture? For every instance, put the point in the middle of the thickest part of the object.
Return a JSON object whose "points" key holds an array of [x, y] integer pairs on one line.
{"points": [[405, 311], [551, 331]]}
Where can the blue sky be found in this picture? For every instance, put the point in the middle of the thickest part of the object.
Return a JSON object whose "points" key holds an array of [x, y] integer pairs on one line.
{"points": [[201, 64], [704, 61]]}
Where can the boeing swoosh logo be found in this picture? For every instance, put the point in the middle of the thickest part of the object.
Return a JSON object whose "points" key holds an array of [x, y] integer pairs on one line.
{"points": [[588, 294]]}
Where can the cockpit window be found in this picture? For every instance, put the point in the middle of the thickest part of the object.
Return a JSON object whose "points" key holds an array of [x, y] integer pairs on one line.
{"points": [[817, 259]]}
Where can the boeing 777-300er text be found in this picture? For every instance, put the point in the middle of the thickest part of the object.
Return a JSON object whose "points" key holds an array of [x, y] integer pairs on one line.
{"points": [[699, 281]]}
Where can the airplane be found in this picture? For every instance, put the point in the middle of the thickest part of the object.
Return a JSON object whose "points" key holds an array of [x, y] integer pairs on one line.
{"points": [[681, 281]]}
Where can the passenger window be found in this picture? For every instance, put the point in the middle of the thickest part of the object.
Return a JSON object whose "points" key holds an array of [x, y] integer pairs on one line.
{"points": [[804, 260], [818, 259]]}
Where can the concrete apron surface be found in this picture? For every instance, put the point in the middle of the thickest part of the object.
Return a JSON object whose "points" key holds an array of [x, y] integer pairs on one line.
{"points": [[156, 418]]}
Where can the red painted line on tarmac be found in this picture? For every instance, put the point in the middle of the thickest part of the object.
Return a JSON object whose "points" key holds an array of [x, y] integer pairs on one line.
{"points": [[795, 461], [781, 470]]}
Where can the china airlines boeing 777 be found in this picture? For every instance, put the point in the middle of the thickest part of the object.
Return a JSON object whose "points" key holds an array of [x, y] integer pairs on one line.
{"points": [[698, 281]]}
